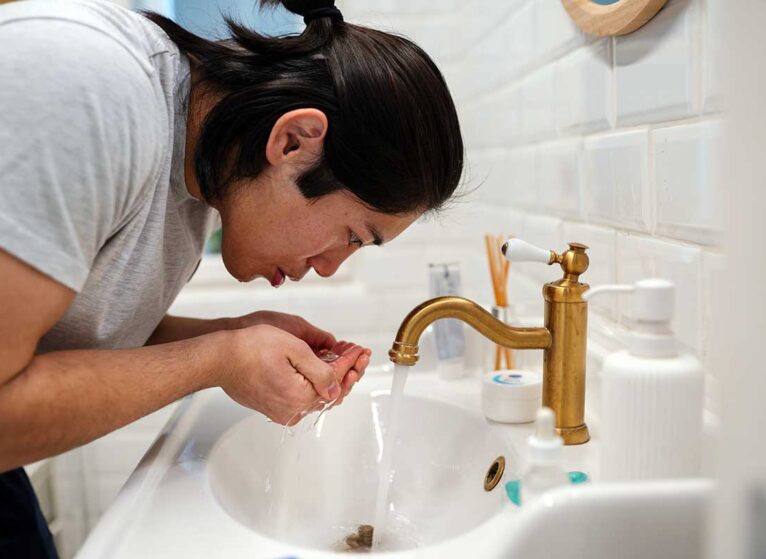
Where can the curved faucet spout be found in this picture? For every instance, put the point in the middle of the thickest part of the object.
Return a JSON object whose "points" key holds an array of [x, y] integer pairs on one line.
{"points": [[404, 350]]}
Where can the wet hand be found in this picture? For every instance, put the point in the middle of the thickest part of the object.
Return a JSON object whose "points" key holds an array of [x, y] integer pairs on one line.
{"points": [[350, 365], [320, 340], [276, 373]]}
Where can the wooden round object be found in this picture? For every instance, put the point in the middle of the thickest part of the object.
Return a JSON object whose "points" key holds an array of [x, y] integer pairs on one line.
{"points": [[619, 18]]}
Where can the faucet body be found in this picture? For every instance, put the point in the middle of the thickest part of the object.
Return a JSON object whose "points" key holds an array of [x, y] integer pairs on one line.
{"points": [[562, 339], [566, 318]]}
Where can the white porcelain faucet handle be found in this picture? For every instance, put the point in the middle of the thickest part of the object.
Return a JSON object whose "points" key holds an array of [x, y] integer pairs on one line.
{"points": [[517, 250]]}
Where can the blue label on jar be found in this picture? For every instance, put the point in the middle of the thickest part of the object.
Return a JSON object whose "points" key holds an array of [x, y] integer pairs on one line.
{"points": [[507, 378]]}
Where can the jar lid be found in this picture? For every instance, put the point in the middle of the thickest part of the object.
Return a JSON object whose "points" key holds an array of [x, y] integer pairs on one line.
{"points": [[515, 384]]}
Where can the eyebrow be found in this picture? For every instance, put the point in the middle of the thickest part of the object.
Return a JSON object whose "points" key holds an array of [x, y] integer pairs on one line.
{"points": [[376, 236]]}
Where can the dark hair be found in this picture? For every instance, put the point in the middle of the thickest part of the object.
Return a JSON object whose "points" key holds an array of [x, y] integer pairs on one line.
{"points": [[393, 137]]}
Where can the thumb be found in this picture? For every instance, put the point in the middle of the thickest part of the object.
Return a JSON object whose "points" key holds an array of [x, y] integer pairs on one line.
{"points": [[320, 374]]}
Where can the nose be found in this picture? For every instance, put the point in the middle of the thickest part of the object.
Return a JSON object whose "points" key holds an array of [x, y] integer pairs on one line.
{"points": [[328, 262]]}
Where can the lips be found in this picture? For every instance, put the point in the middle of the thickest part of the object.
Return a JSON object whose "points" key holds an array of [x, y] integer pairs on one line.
{"points": [[278, 278]]}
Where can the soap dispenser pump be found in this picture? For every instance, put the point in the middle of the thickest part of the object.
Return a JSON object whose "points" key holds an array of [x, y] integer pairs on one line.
{"points": [[651, 393]]}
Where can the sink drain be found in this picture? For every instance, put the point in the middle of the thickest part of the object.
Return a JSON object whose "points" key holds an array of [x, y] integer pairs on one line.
{"points": [[494, 473], [362, 539]]}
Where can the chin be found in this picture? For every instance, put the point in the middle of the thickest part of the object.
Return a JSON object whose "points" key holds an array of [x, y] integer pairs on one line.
{"points": [[246, 280], [240, 273]]}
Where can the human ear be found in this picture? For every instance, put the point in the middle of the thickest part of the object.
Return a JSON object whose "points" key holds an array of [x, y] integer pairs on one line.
{"points": [[297, 137]]}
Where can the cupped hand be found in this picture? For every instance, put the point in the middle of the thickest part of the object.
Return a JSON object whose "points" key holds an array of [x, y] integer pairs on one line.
{"points": [[278, 374], [321, 341]]}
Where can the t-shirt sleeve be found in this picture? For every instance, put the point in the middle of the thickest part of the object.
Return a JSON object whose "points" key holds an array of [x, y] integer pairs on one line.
{"points": [[80, 142]]}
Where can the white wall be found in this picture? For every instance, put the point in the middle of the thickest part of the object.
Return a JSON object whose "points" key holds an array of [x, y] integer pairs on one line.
{"points": [[739, 512], [575, 138]]}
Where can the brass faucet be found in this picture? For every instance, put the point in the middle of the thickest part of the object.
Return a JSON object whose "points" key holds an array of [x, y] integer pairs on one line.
{"points": [[562, 339]]}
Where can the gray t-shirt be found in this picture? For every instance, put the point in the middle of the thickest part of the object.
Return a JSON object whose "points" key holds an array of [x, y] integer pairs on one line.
{"points": [[92, 192]]}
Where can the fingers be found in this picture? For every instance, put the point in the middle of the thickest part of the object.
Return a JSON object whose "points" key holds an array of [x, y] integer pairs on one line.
{"points": [[349, 380], [349, 367], [341, 346], [362, 362], [353, 376], [349, 354], [315, 337], [320, 374]]}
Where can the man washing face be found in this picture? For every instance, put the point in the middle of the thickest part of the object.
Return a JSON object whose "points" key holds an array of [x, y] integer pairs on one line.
{"points": [[125, 141]]}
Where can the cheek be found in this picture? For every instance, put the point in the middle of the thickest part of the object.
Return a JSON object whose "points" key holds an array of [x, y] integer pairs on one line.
{"points": [[308, 238], [258, 237], [267, 243]]}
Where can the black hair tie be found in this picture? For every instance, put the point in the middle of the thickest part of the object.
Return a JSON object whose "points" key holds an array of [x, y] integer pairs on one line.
{"points": [[326, 11]]}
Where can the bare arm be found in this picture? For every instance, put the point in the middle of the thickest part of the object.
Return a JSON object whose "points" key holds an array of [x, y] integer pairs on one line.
{"points": [[175, 328], [53, 402], [65, 399]]}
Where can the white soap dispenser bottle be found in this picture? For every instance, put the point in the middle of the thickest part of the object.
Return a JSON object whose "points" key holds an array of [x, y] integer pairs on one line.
{"points": [[651, 394]]}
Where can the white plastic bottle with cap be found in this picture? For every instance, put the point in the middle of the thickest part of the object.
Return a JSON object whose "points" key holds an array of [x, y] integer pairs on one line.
{"points": [[544, 470], [651, 394]]}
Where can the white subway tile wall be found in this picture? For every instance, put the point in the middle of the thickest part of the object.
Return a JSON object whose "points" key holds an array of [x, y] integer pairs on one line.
{"points": [[685, 181], [584, 91], [617, 179], [520, 181], [557, 33], [657, 68], [712, 45], [538, 119], [560, 177], [570, 137]]}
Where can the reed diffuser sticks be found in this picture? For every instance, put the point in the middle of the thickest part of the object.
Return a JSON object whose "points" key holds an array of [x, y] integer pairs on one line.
{"points": [[499, 267]]}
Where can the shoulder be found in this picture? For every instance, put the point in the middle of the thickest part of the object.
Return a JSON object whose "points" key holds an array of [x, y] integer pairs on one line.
{"points": [[68, 67], [75, 83], [44, 36], [88, 100], [92, 20]]}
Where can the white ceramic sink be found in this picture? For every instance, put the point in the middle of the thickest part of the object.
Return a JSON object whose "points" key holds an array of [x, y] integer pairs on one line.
{"points": [[219, 483], [314, 488]]}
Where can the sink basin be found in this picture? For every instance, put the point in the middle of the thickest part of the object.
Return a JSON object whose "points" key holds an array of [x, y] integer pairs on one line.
{"points": [[314, 488], [627, 520]]}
